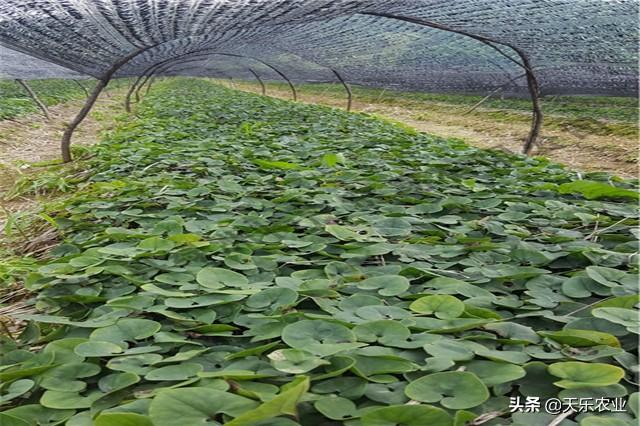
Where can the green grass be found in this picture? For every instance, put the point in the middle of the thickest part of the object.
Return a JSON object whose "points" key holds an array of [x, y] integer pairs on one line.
{"points": [[240, 257], [14, 101]]}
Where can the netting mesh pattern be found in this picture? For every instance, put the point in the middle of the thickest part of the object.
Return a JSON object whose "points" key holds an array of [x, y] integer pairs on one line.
{"points": [[18, 65], [574, 46]]}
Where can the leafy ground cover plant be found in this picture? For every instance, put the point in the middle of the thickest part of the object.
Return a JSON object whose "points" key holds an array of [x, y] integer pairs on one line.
{"points": [[242, 260]]}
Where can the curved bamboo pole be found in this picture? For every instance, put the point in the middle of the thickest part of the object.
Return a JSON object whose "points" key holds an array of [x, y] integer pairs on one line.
{"points": [[84, 89], [132, 88], [155, 68], [532, 81], [151, 81], [34, 98], [263, 88], [346, 87], [65, 143]]}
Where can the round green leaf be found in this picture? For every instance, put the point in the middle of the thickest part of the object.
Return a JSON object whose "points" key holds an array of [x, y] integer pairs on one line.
{"points": [[295, 361], [627, 317], [343, 233], [457, 390], [138, 364], [94, 349], [442, 306], [156, 244], [122, 419], [195, 406], [174, 372], [336, 408], [126, 330], [392, 227], [216, 278], [15, 389], [581, 338], [383, 331], [202, 301], [585, 375], [116, 381], [68, 400], [63, 378], [35, 414], [407, 415], [494, 373], [272, 298], [387, 285], [319, 337], [449, 349]]}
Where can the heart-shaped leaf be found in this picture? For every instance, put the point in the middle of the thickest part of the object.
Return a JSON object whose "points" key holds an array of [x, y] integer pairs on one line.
{"points": [[387, 285], [122, 419], [494, 373], [126, 330], [319, 337], [295, 361], [442, 306], [174, 372], [581, 338], [285, 403], [409, 415], [216, 278], [585, 375], [456, 390], [393, 227], [15, 389], [196, 405]]}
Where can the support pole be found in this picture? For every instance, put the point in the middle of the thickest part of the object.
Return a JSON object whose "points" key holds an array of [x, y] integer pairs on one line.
{"points": [[154, 69], [294, 93], [65, 143], [151, 81], [532, 82], [534, 91], [127, 99], [140, 86], [263, 88], [346, 87], [149, 73], [84, 89], [35, 98]]}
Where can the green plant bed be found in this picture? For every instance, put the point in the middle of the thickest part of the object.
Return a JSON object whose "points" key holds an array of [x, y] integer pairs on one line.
{"points": [[240, 260]]}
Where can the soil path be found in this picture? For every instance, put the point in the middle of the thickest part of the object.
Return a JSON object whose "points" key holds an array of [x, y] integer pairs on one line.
{"points": [[32, 139], [577, 149]]}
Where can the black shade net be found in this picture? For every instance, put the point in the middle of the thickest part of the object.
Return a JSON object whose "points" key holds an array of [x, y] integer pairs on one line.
{"points": [[574, 46]]}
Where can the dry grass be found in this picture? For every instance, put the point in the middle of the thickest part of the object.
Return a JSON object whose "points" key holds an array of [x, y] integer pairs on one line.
{"points": [[29, 147], [30, 144]]}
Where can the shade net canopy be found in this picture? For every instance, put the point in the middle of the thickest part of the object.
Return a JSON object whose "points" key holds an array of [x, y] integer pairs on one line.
{"points": [[573, 46]]}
